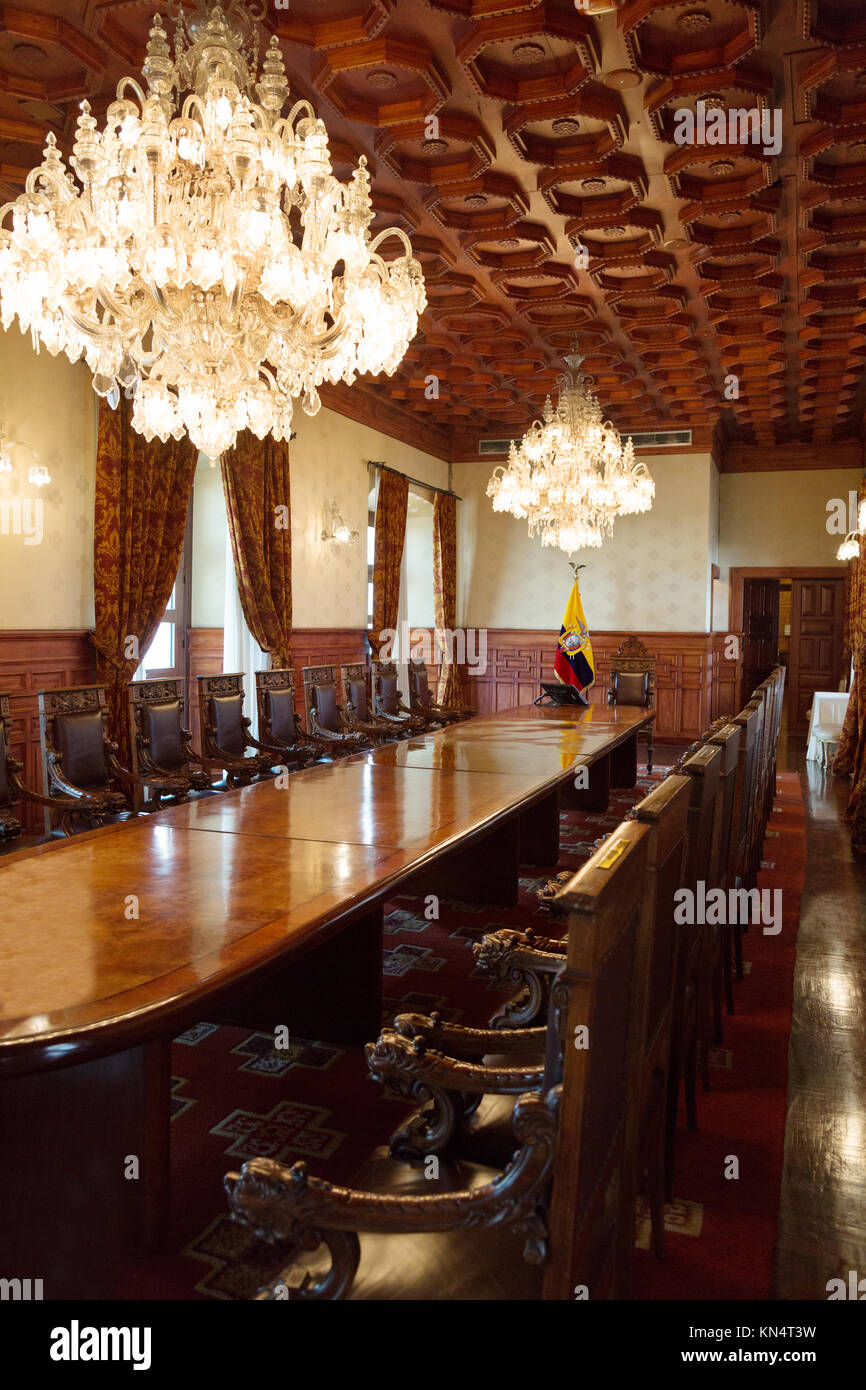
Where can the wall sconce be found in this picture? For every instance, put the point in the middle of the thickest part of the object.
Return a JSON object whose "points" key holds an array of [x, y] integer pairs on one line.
{"points": [[37, 474], [339, 532], [850, 547]]}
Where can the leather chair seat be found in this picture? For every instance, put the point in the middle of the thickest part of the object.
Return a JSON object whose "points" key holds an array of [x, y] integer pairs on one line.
{"points": [[470, 1265]]}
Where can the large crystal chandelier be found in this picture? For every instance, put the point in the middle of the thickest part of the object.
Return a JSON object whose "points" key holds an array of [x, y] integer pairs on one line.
{"points": [[571, 475], [206, 260]]}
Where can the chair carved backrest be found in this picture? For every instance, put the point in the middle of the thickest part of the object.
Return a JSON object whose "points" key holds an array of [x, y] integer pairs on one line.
{"points": [[728, 739], [156, 724], [601, 990], [703, 767], [355, 690], [666, 811], [386, 693], [749, 723], [632, 674], [72, 728], [278, 719], [320, 696], [221, 711]]}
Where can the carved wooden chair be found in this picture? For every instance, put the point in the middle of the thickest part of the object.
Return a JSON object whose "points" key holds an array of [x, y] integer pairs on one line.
{"points": [[719, 937], [632, 682], [388, 701], [441, 1075], [568, 1190], [279, 725], [324, 716], [421, 700], [162, 757], [355, 712], [79, 761], [225, 731], [12, 788]]}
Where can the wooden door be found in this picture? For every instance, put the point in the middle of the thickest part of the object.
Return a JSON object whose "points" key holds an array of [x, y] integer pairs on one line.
{"points": [[817, 626], [760, 632]]}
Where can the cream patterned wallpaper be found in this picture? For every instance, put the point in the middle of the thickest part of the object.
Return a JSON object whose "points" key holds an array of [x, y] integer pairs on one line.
{"points": [[328, 462], [777, 519], [652, 576], [46, 534]]}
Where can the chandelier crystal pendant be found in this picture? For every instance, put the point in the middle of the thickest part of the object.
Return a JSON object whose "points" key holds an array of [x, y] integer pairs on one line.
{"points": [[571, 476], [207, 261]]}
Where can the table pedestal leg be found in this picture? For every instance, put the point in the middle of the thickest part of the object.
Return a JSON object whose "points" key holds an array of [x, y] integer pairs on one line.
{"points": [[333, 993], [539, 832], [85, 1170], [485, 872]]}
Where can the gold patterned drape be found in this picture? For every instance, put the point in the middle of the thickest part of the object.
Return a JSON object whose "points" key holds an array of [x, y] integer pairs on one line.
{"points": [[255, 477], [391, 511], [449, 694], [140, 506], [855, 616], [851, 753], [852, 742]]}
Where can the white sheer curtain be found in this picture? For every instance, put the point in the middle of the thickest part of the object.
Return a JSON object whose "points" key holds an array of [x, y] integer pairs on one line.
{"points": [[241, 652], [403, 642]]}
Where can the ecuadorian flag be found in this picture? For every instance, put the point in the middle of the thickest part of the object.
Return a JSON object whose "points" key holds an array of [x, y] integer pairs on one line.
{"points": [[574, 663]]}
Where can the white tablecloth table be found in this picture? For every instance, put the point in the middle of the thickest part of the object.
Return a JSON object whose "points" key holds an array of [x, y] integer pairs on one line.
{"points": [[825, 725]]}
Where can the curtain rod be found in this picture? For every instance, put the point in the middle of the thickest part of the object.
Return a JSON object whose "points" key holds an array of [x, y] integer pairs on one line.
{"points": [[446, 491]]}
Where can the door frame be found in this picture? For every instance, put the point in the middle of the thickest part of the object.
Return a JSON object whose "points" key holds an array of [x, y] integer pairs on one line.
{"points": [[740, 573]]}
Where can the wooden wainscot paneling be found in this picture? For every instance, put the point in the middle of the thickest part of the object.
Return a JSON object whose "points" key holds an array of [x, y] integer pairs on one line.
{"points": [[518, 660], [204, 658], [727, 673], [30, 661]]}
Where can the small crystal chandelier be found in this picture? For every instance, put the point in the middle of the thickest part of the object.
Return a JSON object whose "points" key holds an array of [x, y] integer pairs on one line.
{"points": [[207, 261], [572, 476]]}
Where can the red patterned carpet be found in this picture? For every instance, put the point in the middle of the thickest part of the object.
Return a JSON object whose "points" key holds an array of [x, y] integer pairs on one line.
{"points": [[235, 1095]]}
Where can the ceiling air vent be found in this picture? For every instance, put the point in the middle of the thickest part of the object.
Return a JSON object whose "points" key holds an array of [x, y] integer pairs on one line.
{"points": [[663, 439], [494, 446]]}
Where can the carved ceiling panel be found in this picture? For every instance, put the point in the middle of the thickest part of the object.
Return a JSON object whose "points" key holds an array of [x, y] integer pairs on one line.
{"points": [[681, 184]]}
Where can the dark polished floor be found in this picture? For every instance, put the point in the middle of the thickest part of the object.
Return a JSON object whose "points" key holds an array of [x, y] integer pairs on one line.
{"points": [[822, 1216]]}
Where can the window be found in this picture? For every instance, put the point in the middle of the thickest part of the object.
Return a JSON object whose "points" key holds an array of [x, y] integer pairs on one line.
{"points": [[166, 655], [420, 606]]}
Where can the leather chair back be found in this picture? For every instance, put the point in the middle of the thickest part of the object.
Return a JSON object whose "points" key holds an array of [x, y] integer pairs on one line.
{"points": [[388, 694], [228, 713], [326, 707], [418, 676], [631, 688], [358, 697], [161, 727], [283, 720], [79, 739]]}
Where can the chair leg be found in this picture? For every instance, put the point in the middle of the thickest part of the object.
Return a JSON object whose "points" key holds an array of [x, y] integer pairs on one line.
{"points": [[727, 944], [690, 1076], [670, 1122], [649, 755], [718, 1035], [738, 950], [656, 1188]]}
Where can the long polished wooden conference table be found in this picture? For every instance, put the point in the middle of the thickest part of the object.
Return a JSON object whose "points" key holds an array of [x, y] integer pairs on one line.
{"points": [[261, 907]]}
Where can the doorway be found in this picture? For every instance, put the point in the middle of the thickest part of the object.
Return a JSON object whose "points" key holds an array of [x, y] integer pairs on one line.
{"points": [[810, 603]]}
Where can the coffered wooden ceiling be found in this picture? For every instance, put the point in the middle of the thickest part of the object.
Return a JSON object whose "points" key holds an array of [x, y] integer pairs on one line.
{"points": [[555, 132]]}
